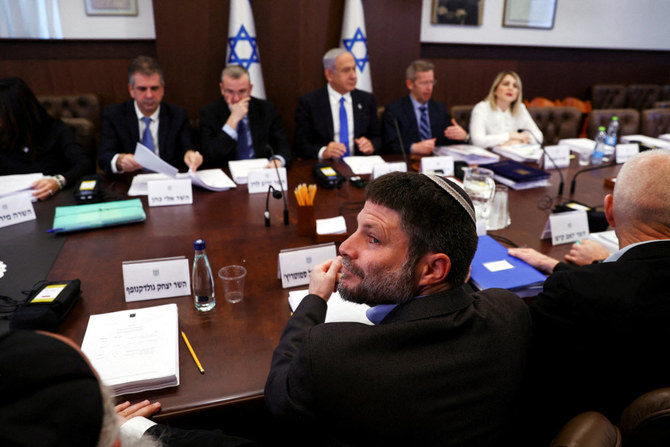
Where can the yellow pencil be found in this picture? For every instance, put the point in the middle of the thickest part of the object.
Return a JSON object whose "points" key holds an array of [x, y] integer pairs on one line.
{"points": [[190, 349]]}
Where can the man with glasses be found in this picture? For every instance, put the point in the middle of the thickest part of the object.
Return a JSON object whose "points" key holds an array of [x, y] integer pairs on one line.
{"points": [[422, 122], [238, 126]]}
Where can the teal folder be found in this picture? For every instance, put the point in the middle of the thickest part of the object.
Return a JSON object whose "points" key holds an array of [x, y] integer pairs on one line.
{"points": [[97, 215], [518, 277]]}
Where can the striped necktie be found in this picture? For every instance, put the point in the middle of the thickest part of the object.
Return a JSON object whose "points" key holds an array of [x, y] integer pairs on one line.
{"points": [[424, 127], [147, 139]]}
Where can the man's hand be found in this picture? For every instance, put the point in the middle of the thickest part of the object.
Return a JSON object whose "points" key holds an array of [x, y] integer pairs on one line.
{"points": [[364, 145], [193, 159], [238, 111], [541, 262], [125, 411], [455, 131], [324, 277], [45, 188], [127, 163], [585, 252], [334, 150], [424, 147]]}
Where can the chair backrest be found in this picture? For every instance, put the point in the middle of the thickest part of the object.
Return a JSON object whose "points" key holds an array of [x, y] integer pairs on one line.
{"points": [[661, 105], [590, 429], [557, 122], [539, 101], [665, 92], [84, 133], [462, 115], [629, 120], [584, 106], [642, 96], [608, 96], [646, 421], [86, 105], [655, 122]]}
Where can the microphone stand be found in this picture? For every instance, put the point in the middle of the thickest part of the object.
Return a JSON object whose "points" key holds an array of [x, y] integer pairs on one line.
{"points": [[592, 168], [283, 194], [402, 146], [277, 195], [544, 151]]}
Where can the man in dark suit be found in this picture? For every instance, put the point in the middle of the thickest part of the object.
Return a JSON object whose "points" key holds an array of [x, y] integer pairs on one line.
{"points": [[161, 127], [601, 330], [439, 366], [337, 120], [423, 123], [238, 126]]}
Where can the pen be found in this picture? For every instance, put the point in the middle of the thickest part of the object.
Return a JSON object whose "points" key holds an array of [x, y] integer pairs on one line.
{"points": [[190, 349]]}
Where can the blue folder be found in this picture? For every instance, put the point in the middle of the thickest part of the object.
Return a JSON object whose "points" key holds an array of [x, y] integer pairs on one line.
{"points": [[521, 278], [97, 215]]}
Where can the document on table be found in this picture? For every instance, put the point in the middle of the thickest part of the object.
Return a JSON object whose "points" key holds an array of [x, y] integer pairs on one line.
{"points": [[338, 309], [212, 179], [135, 350], [362, 164], [10, 184], [239, 169]]}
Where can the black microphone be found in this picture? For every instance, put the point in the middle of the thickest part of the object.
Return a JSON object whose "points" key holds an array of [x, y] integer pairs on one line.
{"points": [[402, 146], [277, 195], [592, 168], [544, 151], [281, 194]]}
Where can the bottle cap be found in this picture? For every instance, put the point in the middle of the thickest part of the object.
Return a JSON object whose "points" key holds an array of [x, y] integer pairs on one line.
{"points": [[599, 128], [615, 118], [199, 244]]}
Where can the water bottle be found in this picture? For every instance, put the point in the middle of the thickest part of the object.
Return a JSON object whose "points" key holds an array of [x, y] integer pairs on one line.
{"points": [[202, 280], [612, 132], [599, 150]]}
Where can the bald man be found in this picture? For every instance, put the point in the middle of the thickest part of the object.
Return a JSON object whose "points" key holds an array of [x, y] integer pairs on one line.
{"points": [[600, 331]]}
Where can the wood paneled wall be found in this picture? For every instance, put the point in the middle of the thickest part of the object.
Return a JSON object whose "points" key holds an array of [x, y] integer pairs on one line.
{"points": [[191, 40]]}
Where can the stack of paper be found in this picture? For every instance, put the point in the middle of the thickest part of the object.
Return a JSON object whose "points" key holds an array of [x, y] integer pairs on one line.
{"points": [[520, 152], [338, 309], [334, 225], [363, 164], [492, 267], [608, 239], [135, 350], [474, 155], [648, 142], [10, 184]]}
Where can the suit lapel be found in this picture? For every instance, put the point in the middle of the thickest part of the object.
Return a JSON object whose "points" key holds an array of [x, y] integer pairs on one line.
{"points": [[163, 129], [131, 121], [324, 104], [410, 117]]}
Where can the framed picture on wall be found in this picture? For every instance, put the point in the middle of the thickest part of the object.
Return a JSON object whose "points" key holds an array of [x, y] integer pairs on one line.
{"points": [[457, 12], [111, 7], [529, 13]]}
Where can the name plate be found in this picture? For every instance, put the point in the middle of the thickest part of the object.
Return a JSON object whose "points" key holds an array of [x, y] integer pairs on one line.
{"points": [[566, 227], [384, 168], [296, 264], [170, 192], [560, 155], [16, 208], [440, 165], [260, 179], [625, 151], [152, 279]]}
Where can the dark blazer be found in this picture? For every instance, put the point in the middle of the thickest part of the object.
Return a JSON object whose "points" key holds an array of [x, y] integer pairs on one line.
{"points": [[600, 337], [443, 369], [56, 151], [177, 437], [218, 147], [120, 133], [314, 122], [402, 110]]}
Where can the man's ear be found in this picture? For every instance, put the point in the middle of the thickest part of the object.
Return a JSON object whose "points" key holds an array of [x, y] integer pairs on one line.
{"points": [[409, 84], [433, 268], [609, 209]]}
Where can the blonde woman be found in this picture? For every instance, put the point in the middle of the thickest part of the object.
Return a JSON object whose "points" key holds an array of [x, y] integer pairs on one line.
{"points": [[502, 118]]}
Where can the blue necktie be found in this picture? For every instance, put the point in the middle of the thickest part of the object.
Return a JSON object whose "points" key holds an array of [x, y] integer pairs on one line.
{"points": [[147, 139], [245, 150], [424, 127], [344, 127]]}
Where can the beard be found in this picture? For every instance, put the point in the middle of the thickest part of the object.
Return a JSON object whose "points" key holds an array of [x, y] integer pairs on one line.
{"points": [[380, 285]]}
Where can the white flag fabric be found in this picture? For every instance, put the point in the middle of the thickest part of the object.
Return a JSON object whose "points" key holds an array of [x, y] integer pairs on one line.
{"points": [[242, 44], [354, 39]]}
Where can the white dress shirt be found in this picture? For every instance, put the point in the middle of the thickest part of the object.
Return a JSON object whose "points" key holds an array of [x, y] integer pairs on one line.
{"points": [[334, 99], [153, 128]]}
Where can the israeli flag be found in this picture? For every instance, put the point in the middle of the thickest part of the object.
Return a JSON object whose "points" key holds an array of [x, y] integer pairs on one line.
{"points": [[242, 44], [354, 39]]}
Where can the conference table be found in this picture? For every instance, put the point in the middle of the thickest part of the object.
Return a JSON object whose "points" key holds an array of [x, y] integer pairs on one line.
{"points": [[234, 342]]}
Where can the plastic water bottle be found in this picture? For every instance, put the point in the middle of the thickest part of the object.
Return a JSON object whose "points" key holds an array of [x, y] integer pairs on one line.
{"points": [[612, 132], [202, 279], [599, 150]]}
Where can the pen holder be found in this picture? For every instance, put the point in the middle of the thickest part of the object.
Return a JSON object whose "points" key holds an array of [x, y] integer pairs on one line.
{"points": [[306, 221]]}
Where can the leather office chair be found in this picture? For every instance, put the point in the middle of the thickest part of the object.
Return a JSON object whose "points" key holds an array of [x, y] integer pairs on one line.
{"points": [[462, 115], [590, 429], [380, 114], [608, 96], [584, 107], [655, 122], [541, 102], [557, 122], [80, 112], [661, 105], [642, 96], [629, 120], [84, 133], [646, 421]]}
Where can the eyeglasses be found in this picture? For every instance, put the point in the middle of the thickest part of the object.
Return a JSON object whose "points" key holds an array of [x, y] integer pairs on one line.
{"points": [[426, 83]]}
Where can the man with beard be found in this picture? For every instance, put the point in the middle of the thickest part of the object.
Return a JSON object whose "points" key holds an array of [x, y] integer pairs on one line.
{"points": [[438, 366]]}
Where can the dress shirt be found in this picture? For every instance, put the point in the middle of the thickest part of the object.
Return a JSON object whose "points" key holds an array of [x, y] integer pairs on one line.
{"points": [[153, 128], [489, 127], [334, 99], [416, 105]]}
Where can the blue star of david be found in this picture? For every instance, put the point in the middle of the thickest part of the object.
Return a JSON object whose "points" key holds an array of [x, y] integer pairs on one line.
{"points": [[243, 36], [349, 45]]}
